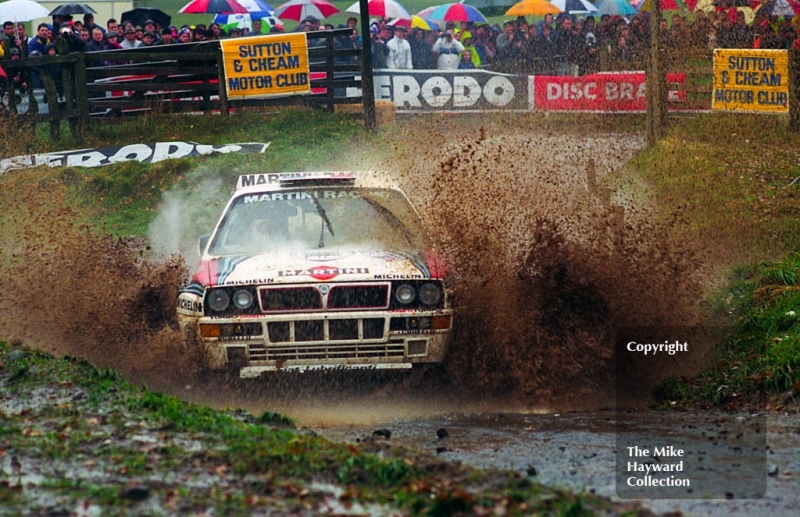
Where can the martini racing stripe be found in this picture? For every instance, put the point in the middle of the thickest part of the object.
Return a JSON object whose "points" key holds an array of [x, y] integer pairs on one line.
{"points": [[226, 266]]}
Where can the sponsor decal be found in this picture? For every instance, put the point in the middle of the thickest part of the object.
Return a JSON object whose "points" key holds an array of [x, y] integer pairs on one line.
{"points": [[324, 272], [751, 80], [249, 180], [298, 195], [398, 277], [322, 255], [145, 153], [190, 305], [266, 66], [608, 92], [456, 90]]}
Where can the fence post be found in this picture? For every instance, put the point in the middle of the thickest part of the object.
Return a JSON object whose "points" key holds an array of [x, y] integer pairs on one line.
{"points": [[224, 109], [367, 87], [794, 89], [81, 92], [52, 103], [329, 78]]}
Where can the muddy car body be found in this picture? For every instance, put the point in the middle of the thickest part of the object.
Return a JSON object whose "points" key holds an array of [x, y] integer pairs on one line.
{"points": [[308, 271]]}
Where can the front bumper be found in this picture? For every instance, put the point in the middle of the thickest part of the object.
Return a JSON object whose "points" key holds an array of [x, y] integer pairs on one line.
{"points": [[322, 341]]}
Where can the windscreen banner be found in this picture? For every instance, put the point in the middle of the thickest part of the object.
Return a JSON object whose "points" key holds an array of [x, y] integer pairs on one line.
{"points": [[451, 90], [266, 66], [603, 92]]}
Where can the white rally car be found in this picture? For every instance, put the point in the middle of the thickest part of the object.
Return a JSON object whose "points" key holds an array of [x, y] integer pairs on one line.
{"points": [[308, 271]]}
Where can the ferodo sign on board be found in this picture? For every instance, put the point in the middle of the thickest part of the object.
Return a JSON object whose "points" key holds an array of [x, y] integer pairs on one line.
{"points": [[751, 80], [608, 92], [264, 66], [446, 90]]}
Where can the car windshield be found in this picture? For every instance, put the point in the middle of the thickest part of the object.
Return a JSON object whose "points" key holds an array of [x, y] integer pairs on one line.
{"points": [[313, 218]]}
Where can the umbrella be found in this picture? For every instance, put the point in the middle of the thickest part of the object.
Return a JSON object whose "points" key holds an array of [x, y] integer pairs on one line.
{"points": [[213, 6], [457, 13], [533, 8], [615, 8], [415, 22], [140, 15], [667, 5], [257, 8], [492, 7], [428, 10], [300, 9], [240, 21], [708, 5], [778, 8], [22, 11], [731, 3], [382, 9], [575, 6], [61, 10]]}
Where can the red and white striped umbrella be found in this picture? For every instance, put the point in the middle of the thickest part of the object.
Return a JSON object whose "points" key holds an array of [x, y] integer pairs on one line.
{"points": [[300, 9], [213, 6], [382, 9]]}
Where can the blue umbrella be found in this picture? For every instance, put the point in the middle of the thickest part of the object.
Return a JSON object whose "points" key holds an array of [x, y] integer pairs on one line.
{"points": [[615, 8], [257, 8]]}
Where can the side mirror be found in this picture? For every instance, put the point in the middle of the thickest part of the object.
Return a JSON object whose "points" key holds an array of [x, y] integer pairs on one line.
{"points": [[202, 244]]}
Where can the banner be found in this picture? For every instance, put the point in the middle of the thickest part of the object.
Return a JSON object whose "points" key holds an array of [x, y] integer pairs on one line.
{"points": [[145, 153], [451, 90], [265, 66], [602, 92], [751, 80]]}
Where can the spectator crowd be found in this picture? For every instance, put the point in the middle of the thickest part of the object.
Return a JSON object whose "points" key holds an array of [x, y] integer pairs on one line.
{"points": [[560, 45]]}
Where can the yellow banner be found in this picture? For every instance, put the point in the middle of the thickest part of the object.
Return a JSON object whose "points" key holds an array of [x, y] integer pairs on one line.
{"points": [[751, 80], [263, 66]]}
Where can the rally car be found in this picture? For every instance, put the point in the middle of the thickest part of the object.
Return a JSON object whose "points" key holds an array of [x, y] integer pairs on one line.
{"points": [[321, 270]]}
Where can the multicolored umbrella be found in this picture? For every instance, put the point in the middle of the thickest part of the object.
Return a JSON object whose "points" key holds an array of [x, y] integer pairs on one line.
{"points": [[213, 6], [381, 8], [257, 8], [457, 13], [532, 8], [300, 9], [575, 6], [493, 7], [415, 22], [666, 5], [615, 8]]}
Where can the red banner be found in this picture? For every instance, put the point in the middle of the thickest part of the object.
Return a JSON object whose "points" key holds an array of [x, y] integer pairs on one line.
{"points": [[608, 92]]}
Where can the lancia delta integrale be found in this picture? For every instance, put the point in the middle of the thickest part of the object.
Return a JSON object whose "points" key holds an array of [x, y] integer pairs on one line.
{"points": [[308, 271]]}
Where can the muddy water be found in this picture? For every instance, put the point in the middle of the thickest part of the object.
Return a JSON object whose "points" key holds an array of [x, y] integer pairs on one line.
{"points": [[578, 450]]}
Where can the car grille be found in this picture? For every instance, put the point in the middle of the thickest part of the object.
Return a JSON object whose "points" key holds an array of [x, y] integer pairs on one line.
{"points": [[340, 297], [337, 330]]}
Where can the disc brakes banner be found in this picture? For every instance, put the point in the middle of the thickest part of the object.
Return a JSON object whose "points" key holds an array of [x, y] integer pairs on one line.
{"points": [[603, 92], [266, 66], [456, 90]]}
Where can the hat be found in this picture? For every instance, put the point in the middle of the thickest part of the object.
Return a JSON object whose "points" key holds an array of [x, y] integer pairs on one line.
{"points": [[465, 35], [138, 28], [400, 28], [312, 19], [167, 31], [129, 30], [14, 51], [148, 22], [64, 30], [112, 34], [373, 29], [149, 33]]}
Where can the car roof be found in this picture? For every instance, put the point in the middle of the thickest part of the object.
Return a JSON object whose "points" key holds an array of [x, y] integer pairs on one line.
{"points": [[276, 181]]}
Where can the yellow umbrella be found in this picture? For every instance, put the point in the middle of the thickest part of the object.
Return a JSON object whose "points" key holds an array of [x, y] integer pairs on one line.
{"points": [[708, 6], [533, 8]]}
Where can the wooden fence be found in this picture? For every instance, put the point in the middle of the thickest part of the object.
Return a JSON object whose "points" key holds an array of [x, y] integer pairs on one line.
{"points": [[172, 79]]}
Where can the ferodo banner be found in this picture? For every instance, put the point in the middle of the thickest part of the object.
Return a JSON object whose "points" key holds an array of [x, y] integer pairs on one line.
{"points": [[265, 66], [451, 90], [607, 92], [145, 153], [751, 80]]}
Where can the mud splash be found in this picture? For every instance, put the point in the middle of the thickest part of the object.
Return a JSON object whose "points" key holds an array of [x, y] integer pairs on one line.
{"points": [[545, 267]]}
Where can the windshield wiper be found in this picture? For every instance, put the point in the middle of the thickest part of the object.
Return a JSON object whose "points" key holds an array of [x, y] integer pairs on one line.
{"points": [[325, 222]]}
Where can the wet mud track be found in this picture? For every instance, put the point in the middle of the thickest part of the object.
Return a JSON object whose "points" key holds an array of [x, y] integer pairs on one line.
{"points": [[578, 450]]}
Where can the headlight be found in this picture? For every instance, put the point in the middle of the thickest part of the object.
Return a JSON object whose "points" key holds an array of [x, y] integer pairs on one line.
{"points": [[218, 300], [404, 294], [430, 294], [242, 299]]}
